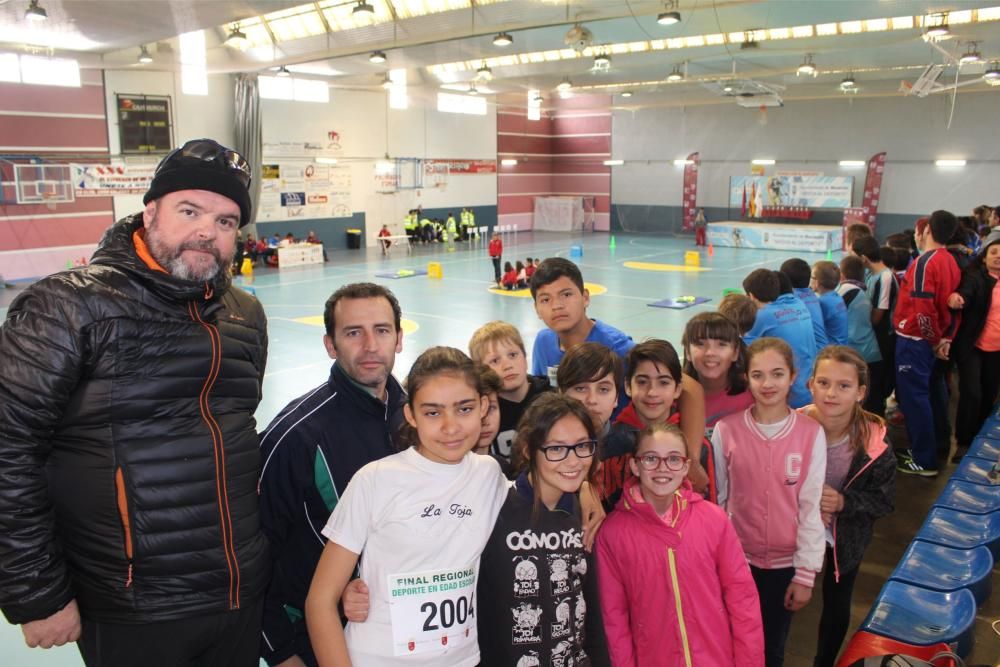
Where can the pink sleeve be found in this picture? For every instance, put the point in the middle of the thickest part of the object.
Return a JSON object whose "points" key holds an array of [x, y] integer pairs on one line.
{"points": [[742, 604], [614, 604]]}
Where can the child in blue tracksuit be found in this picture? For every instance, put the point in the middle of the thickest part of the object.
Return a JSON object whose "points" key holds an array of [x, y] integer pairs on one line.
{"points": [[825, 279], [800, 274], [783, 316]]}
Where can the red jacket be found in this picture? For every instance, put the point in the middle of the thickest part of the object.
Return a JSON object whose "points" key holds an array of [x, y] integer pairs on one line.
{"points": [[922, 309], [510, 278], [678, 592], [496, 247]]}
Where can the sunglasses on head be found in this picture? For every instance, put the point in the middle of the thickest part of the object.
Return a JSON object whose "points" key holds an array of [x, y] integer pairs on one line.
{"points": [[211, 152]]}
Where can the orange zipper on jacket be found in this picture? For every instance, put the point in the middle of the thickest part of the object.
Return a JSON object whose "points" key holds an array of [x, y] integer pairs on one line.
{"points": [[126, 522], [222, 495]]}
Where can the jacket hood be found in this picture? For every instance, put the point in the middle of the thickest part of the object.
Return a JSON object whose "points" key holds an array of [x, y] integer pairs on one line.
{"points": [[117, 249], [685, 497]]}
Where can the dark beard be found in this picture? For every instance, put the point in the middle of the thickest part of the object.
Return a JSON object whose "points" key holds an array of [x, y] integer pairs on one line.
{"points": [[170, 258]]}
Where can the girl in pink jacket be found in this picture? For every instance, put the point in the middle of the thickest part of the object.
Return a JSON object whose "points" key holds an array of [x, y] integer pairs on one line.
{"points": [[675, 586]]}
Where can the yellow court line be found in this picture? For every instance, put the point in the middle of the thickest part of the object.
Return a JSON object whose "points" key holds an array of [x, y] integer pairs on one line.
{"points": [[652, 266], [408, 326], [595, 289]]}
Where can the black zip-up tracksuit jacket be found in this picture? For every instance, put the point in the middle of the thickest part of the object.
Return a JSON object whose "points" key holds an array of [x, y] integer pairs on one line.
{"points": [[311, 450]]}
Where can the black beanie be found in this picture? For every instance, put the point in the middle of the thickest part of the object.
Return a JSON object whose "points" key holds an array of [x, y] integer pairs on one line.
{"points": [[195, 174]]}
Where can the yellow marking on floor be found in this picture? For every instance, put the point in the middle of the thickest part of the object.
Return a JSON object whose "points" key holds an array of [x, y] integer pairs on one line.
{"points": [[652, 266], [408, 326], [594, 289]]}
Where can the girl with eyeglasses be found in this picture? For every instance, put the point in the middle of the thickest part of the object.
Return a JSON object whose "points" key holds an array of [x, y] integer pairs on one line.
{"points": [[537, 591], [770, 462], [674, 583]]}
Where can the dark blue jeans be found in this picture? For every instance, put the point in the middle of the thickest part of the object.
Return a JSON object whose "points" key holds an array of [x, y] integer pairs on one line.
{"points": [[771, 587], [914, 365]]}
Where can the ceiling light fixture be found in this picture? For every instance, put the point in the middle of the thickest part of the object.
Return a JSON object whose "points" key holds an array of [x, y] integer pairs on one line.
{"points": [[670, 15], [937, 26], [972, 56], [283, 72], [949, 163], [236, 38], [627, 93], [35, 13], [992, 75], [602, 61], [565, 84], [848, 82], [807, 68], [503, 39], [386, 81], [144, 57], [676, 74], [363, 10], [508, 162], [484, 72], [728, 87], [472, 89], [852, 163], [377, 57]]}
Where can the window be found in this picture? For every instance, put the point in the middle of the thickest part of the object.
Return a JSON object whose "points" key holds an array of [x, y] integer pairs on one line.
{"points": [[449, 103], [50, 71], [194, 76], [293, 89]]}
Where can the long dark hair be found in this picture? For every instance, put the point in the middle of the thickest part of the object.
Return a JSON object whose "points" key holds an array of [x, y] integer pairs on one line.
{"points": [[432, 362], [718, 326], [862, 421], [533, 432]]}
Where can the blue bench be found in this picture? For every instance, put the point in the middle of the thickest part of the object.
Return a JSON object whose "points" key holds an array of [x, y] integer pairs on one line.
{"points": [[922, 617], [986, 447], [962, 531], [969, 498], [975, 470], [945, 569]]}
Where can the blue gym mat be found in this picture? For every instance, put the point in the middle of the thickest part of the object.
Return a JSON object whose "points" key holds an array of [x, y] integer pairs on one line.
{"points": [[402, 273], [680, 303]]}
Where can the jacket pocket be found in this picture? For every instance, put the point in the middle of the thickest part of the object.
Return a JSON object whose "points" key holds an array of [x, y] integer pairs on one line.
{"points": [[126, 523]]}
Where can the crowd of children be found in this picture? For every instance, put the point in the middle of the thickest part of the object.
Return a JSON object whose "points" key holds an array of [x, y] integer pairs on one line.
{"points": [[706, 551]]}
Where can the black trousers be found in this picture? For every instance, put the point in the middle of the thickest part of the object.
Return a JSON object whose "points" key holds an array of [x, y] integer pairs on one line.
{"points": [[225, 639], [978, 382], [496, 268], [771, 587], [875, 400], [836, 615]]}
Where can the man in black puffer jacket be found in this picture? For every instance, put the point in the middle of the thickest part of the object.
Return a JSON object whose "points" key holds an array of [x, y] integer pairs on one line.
{"points": [[128, 449]]}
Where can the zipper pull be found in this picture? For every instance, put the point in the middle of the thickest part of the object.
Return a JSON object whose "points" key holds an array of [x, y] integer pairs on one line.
{"points": [[128, 581], [209, 291]]}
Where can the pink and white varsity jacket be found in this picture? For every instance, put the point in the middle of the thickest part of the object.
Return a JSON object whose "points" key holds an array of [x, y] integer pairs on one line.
{"points": [[771, 488]]}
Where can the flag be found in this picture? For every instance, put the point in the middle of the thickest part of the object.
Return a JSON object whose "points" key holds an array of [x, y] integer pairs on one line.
{"points": [[743, 209], [753, 198]]}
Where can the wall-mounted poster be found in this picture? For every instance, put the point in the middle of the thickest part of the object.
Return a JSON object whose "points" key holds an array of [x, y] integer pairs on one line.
{"points": [[805, 191], [144, 123]]}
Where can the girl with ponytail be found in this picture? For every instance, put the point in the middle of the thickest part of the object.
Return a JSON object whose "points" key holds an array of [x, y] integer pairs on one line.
{"points": [[859, 487]]}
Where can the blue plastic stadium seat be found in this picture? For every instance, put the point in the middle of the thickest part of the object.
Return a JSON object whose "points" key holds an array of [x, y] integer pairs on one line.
{"points": [[945, 569], [920, 616], [986, 447], [961, 530], [975, 470], [969, 498]]}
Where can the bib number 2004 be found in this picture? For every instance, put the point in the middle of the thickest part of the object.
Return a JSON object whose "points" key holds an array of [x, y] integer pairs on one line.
{"points": [[447, 613], [432, 611]]}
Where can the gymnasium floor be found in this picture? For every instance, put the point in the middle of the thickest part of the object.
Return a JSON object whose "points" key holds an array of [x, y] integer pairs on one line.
{"points": [[447, 311]]}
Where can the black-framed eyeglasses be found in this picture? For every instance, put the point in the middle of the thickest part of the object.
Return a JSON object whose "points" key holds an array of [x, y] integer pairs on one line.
{"points": [[209, 151], [583, 450], [674, 462]]}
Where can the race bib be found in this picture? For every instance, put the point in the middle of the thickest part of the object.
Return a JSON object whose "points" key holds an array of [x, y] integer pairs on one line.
{"points": [[432, 611]]}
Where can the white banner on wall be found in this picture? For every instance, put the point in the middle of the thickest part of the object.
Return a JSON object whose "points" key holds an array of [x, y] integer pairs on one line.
{"points": [[303, 190], [807, 191], [108, 180]]}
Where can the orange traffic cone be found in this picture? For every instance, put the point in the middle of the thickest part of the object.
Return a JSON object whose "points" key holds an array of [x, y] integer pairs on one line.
{"points": [[711, 250]]}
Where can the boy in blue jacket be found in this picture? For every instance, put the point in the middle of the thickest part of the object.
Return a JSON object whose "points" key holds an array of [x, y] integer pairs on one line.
{"points": [[783, 316], [825, 279]]}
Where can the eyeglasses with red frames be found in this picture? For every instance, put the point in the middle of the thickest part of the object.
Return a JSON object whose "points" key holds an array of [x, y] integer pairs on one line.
{"points": [[674, 462], [583, 450]]}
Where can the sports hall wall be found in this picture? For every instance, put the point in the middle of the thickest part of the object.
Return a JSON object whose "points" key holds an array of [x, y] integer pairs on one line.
{"points": [[367, 130], [808, 136]]}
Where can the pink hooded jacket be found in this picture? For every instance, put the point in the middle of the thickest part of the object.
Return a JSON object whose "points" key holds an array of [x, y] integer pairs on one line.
{"points": [[677, 592]]}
